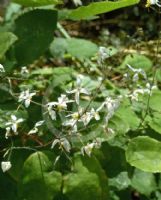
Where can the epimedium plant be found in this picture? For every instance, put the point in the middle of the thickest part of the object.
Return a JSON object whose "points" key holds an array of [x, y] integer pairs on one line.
{"points": [[69, 131]]}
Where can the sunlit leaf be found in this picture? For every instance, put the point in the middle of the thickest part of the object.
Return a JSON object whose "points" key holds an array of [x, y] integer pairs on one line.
{"points": [[143, 152]]}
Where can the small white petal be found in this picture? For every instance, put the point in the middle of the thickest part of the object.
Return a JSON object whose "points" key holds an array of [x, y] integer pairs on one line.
{"points": [[13, 117], [2, 68], [5, 165], [66, 145], [33, 131], [39, 123], [56, 141]]}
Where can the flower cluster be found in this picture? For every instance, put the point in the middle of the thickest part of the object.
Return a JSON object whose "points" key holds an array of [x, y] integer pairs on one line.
{"points": [[147, 90], [76, 118]]}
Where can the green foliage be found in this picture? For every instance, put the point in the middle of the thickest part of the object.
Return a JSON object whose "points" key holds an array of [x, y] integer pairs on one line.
{"points": [[87, 180], [143, 182], [39, 181], [6, 41], [78, 48], [143, 152], [37, 26], [155, 101], [37, 2], [137, 61], [97, 8]]}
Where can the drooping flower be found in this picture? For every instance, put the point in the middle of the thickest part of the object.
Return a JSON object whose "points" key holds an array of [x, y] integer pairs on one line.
{"points": [[2, 70], [147, 90], [153, 2], [77, 2], [95, 114], [61, 104], [90, 146], [87, 149], [63, 144], [72, 122], [26, 97], [78, 90], [51, 112], [24, 71], [35, 129], [102, 55], [6, 165], [13, 125], [137, 72]]}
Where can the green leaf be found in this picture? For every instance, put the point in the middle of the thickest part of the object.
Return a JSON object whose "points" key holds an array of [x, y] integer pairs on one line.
{"points": [[112, 164], [35, 31], [143, 153], [39, 181], [17, 159], [155, 103], [4, 94], [137, 61], [6, 181], [37, 2], [143, 182], [87, 181], [155, 122], [79, 48], [61, 76], [126, 113], [97, 8], [119, 124], [121, 181], [6, 41]]}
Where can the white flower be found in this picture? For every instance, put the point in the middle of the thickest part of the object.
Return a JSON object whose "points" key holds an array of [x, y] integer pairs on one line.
{"points": [[13, 125], [8, 132], [24, 71], [61, 104], [72, 123], [86, 118], [102, 54], [75, 117], [5, 165], [77, 2], [64, 144], [78, 90], [135, 77], [95, 114], [52, 112], [110, 130], [87, 149], [153, 2], [90, 146], [137, 72], [147, 90], [35, 129], [2, 68], [26, 97], [111, 105]]}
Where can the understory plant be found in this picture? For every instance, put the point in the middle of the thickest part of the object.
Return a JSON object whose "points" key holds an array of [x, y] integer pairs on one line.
{"points": [[80, 118]]}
